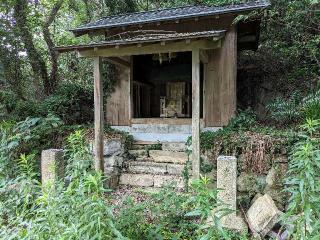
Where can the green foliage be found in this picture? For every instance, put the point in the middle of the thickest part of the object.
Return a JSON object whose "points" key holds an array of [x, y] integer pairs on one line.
{"points": [[169, 214], [243, 121], [285, 110], [29, 136], [81, 211], [72, 102], [246, 137], [292, 37], [77, 211], [78, 155], [303, 183], [296, 108]]}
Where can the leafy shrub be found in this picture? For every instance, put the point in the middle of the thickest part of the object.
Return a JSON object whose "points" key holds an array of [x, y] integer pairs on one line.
{"points": [[72, 102], [244, 120], [29, 136], [244, 136], [169, 214], [79, 158], [296, 108], [303, 183], [77, 211]]}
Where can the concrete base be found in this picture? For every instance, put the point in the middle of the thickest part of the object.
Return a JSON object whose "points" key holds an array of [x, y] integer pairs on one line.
{"points": [[160, 132]]}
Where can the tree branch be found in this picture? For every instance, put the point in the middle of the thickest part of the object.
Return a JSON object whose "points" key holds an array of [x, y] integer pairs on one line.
{"points": [[53, 79]]}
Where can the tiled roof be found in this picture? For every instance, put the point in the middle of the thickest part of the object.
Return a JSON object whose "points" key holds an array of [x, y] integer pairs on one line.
{"points": [[169, 14], [145, 38]]}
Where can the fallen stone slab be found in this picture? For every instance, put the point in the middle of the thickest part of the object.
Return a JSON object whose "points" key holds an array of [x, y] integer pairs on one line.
{"points": [[263, 215]]}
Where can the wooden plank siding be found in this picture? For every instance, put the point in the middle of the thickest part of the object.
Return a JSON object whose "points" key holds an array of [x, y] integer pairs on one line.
{"points": [[118, 104], [220, 82]]}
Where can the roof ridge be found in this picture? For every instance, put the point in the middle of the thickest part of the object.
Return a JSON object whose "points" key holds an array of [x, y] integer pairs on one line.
{"points": [[180, 7], [148, 11], [170, 14]]}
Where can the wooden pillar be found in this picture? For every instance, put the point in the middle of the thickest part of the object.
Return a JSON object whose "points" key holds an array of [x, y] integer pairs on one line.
{"points": [[98, 115], [195, 157]]}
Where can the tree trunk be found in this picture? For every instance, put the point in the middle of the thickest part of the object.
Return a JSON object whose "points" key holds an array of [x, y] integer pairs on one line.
{"points": [[36, 61]]}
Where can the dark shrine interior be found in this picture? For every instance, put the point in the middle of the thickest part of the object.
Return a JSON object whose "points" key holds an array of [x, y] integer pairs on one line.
{"points": [[162, 86]]}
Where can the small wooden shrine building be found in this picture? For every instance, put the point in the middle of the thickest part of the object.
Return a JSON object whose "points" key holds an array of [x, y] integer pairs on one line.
{"points": [[177, 70]]}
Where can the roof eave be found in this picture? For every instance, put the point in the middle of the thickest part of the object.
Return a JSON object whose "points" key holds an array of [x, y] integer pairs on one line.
{"points": [[82, 31], [219, 34]]}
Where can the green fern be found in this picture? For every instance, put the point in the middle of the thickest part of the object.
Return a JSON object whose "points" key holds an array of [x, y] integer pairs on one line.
{"points": [[296, 107]]}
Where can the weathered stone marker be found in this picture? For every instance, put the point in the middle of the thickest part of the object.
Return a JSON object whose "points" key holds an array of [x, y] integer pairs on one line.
{"points": [[52, 165], [227, 194]]}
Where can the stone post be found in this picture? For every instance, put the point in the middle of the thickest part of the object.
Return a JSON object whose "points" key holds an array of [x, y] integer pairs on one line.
{"points": [[52, 165], [113, 151], [227, 192]]}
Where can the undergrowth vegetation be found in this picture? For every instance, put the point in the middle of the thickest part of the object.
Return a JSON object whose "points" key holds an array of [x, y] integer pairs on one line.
{"points": [[78, 209], [296, 108], [303, 183], [257, 144]]}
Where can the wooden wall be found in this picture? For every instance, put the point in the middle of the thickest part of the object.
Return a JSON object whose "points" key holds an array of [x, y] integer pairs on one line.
{"points": [[220, 82], [118, 104]]}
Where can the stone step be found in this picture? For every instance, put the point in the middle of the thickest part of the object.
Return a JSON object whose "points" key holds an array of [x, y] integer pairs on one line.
{"points": [[150, 180], [154, 168], [168, 156], [146, 167], [139, 145], [138, 153], [174, 146]]}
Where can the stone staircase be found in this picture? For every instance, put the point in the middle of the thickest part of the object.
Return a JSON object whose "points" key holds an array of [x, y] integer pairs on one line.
{"points": [[155, 165]]}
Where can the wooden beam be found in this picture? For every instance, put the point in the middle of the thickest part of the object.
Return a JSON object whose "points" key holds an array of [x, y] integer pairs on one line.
{"points": [[171, 121], [204, 57], [98, 114], [195, 157], [178, 46], [130, 94], [119, 62]]}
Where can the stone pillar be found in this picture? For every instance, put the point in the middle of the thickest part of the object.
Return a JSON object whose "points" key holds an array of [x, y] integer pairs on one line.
{"points": [[113, 151], [227, 181], [52, 165], [227, 192]]}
